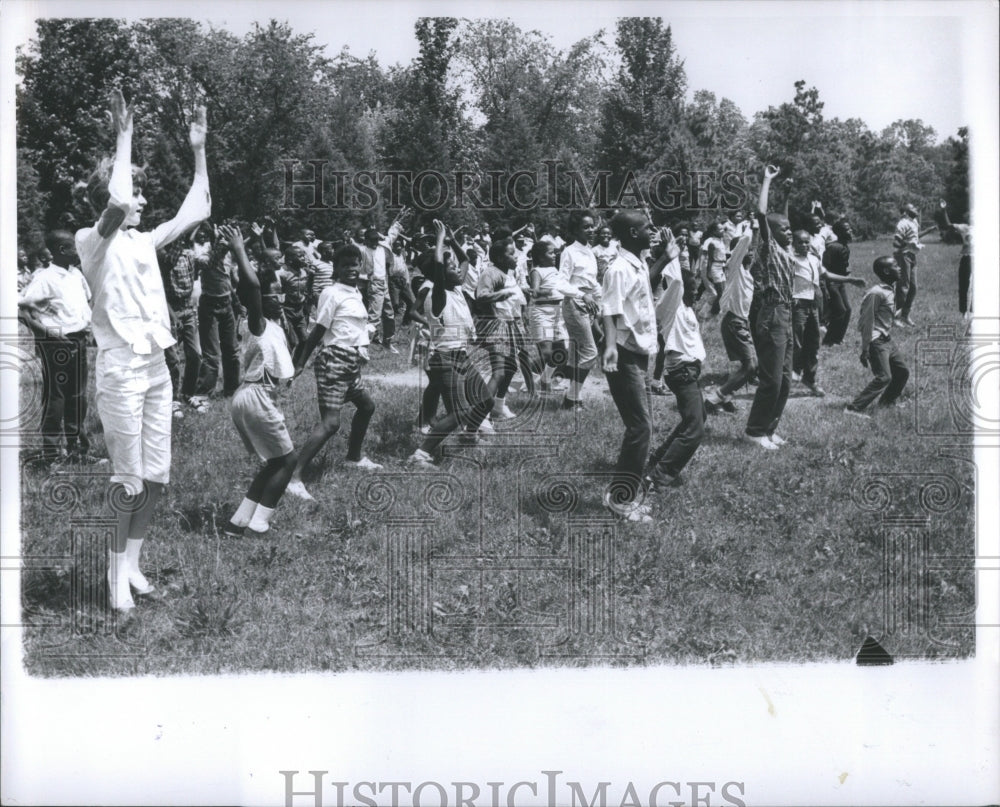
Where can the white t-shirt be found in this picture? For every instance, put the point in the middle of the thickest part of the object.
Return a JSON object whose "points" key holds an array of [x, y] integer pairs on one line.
{"points": [[341, 310], [266, 359]]}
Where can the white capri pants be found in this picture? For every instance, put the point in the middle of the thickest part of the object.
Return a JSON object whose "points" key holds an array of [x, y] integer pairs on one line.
{"points": [[134, 399], [582, 348]]}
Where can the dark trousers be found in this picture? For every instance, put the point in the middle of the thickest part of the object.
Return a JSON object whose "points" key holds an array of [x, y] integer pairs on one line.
{"points": [[467, 401], [401, 296], [891, 374], [964, 282], [805, 328], [906, 286], [840, 314], [184, 324], [667, 461], [629, 388], [775, 348], [64, 393], [295, 325], [753, 314], [219, 347]]}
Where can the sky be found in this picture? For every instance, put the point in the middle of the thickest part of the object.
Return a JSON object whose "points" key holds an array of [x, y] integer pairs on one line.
{"points": [[877, 61]]}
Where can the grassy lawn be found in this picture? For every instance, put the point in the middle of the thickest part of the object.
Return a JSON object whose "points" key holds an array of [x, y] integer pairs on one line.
{"points": [[504, 557]]}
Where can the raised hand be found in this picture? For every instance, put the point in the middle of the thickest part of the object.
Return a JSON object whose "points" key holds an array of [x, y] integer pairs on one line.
{"points": [[231, 235], [256, 229], [199, 127], [771, 171], [121, 114]]}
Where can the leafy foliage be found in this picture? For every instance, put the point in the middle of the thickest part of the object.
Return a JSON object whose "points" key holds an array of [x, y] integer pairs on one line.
{"points": [[482, 95]]}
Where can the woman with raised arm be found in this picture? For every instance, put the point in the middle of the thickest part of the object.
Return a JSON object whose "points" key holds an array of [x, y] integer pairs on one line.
{"points": [[131, 325]]}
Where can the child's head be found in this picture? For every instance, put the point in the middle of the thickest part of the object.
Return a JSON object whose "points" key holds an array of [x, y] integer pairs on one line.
{"points": [[604, 235], [736, 216], [580, 225], [908, 210], [503, 254], [295, 256], [691, 283], [63, 248], [98, 194], [631, 228], [543, 253], [22, 258], [270, 259], [800, 242], [397, 246], [347, 264], [779, 228], [714, 230], [886, 269], [842, 229]]}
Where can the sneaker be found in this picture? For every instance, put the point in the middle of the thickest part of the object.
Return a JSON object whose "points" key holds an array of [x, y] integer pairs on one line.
{"points": [[568, 403], [814, 390], [796, 376], [910, 322], [298, 490], [232, 531], [421, 459], [659, 388], [178, 408], [900, 322], [763, 441], [363, 464], [486, 427], [391, 348], [425, 429], [856, 413], [503, 413], [630, 511], [777, 440], [729, 406], [199, 403]]}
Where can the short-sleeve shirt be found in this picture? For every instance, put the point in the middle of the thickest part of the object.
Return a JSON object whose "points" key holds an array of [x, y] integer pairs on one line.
{"points": [[60, 298], [453, 329], [266, 359], [627, 296], [493, 280], [341, 310], [807, 271], [677, 323]]}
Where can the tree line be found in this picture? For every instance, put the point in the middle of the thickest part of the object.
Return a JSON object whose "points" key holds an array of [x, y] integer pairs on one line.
{"points": [[481, 96]]}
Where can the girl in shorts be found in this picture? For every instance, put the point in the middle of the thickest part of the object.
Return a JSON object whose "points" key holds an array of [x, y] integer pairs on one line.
{"points": [[266, 365]]}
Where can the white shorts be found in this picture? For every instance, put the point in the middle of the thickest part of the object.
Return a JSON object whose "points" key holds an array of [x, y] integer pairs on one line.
{"points": [[259, 423], [135, 402], [545, 323]]}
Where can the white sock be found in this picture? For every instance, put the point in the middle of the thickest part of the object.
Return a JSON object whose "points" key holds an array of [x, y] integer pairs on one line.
{"points": [[136, 578], [498, 402], [244, 513], [119, 595], [547, 373], [261, 521], [574, 390]]}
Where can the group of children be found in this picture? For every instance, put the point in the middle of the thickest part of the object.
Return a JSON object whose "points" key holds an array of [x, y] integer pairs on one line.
{"points": [[619, 293]]}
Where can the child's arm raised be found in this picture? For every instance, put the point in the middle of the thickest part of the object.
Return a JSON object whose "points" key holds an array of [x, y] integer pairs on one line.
{"points": [[197, 205], [248, 287]]}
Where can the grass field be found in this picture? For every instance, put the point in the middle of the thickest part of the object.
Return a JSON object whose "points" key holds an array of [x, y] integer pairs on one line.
{"points": [[504, 556]]}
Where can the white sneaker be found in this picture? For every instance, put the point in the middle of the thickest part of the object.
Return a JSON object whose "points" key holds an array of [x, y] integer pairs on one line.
{"points": [[363, 464], [425, 429], [199, 403], [796, 376], [298, 490], [503, 413], [178, 408], [392, 349], [778, 441], [856, 413], [486, 427], [421, 458], [630, 511], [763, 441]]}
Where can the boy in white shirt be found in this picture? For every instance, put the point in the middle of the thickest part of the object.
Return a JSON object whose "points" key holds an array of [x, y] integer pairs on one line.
{"points": [[343, 327], [56, 305]]}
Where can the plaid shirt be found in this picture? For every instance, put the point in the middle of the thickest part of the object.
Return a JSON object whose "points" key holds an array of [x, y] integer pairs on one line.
{"points": [[179, 275], [773, 267]]}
